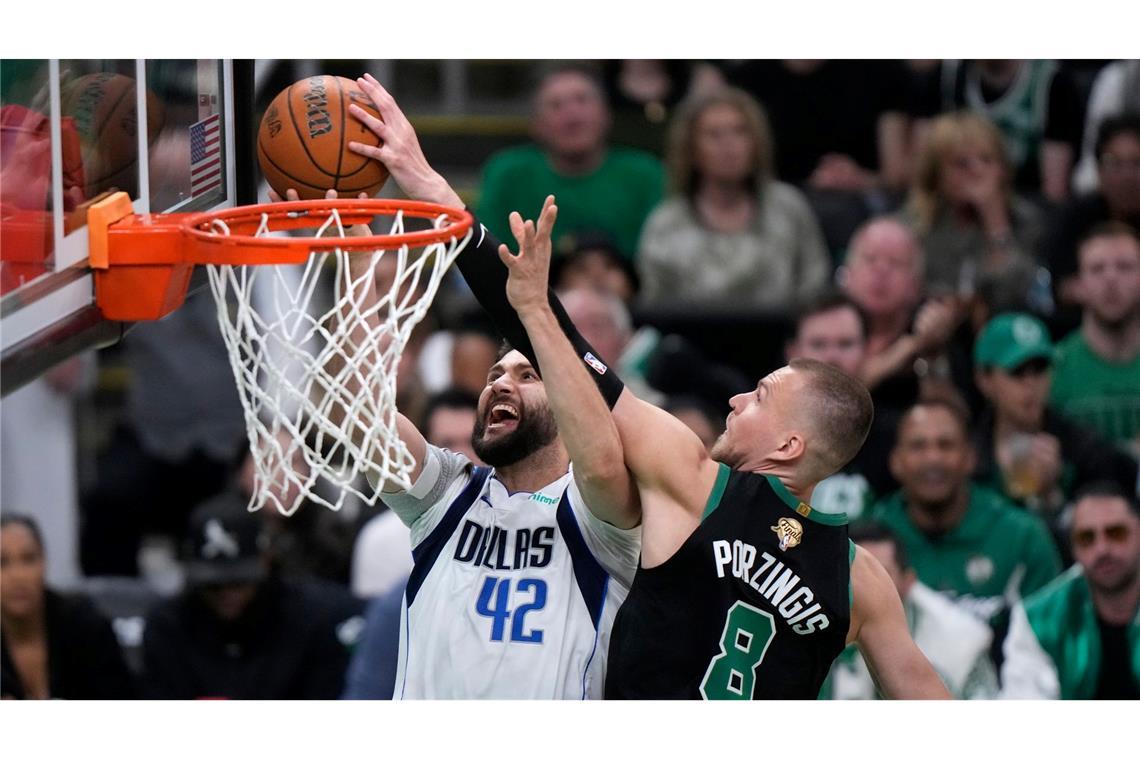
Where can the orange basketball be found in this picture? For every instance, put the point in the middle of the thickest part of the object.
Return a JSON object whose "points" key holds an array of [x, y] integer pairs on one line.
{"points": [[303, 139]]}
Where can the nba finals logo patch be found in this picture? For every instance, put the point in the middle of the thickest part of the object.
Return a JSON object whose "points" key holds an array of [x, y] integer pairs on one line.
{"points": [[789, 531]]}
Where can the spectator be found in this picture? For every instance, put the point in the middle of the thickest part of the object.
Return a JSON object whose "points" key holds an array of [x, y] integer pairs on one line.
{"points": [[239, 631], [597, 186], [884, 276], [956, 643], [963, 539], [979, 236], [730, 233], [39, 437], [1118, 199], [1115, 92], [1036, 106], [1096, 369], [1079, 637], [593, 261], [1027, 451], [382, 556], [51, 646], [833, 330]]}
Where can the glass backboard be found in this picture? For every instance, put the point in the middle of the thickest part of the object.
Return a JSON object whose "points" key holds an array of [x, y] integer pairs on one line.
{"points": [[73, 131]]}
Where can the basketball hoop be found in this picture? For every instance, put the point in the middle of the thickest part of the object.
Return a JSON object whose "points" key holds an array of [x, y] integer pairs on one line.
{"points": [[317, 379]]}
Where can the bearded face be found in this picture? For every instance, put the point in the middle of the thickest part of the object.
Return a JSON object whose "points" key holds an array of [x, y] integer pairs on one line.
{"points": [[514, 419]]}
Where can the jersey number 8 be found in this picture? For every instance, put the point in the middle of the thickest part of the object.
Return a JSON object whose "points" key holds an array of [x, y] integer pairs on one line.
{"points": [[747, 634]]}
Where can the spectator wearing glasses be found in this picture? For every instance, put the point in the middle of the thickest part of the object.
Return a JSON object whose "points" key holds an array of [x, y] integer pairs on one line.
{"points": [[1079, 637]]}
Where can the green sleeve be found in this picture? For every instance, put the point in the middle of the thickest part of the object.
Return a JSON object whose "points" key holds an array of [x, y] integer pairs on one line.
{"points": [[1043, 562]]}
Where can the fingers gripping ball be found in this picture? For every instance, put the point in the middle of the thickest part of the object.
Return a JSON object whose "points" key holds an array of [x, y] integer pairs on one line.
{"points": [[303, 139]]}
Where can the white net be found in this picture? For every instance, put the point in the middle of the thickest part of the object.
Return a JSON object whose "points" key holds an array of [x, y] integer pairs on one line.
{"points": [[315, 350]]}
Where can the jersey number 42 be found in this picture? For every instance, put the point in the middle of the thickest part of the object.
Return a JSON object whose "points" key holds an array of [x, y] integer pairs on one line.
{"points": [[494, 602]]}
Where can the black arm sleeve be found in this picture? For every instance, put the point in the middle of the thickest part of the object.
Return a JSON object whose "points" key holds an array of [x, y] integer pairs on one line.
{"points": [[487, 278]]}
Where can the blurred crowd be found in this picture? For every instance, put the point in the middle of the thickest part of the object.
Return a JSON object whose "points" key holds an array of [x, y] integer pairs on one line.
{"points": [[960, 235]]}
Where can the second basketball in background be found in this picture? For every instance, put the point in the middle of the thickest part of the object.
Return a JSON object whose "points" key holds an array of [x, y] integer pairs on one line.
{"points": [[302, 142]]}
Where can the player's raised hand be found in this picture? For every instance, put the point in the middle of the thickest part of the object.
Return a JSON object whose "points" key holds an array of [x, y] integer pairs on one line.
{"points": [[399, 148], [529, 270]]}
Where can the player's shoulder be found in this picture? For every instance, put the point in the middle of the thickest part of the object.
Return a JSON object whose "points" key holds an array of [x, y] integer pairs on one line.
{"points": [[871, 585]]}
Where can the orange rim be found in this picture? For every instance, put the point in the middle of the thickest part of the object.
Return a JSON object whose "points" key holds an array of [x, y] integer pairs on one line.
{"points": [[208, 245], [143, 262]]}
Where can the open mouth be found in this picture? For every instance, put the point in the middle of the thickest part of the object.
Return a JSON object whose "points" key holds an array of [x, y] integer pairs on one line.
{"points": [[502, 416]]}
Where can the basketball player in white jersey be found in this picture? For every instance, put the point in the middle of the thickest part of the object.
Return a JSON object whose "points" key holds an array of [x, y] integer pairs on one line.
{"points": [[519, 567]]}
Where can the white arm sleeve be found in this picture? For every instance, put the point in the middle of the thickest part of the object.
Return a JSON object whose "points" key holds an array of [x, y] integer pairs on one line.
{"points": [[444, 475], [617, 550], [1028, 672]]}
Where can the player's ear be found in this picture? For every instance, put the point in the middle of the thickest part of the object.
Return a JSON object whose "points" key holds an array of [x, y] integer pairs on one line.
{"points": [[792, 448]]}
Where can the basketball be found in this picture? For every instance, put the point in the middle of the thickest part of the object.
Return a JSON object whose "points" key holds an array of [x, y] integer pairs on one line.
{"points": [[303, 139], [104, 109]]}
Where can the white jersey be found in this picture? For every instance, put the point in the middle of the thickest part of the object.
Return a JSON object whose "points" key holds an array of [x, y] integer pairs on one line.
{"points": [[512, 596]]}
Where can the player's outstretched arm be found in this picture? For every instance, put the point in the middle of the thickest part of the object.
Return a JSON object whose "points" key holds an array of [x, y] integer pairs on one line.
{"points": [[402, 155], [584, 422], [878, 627]]}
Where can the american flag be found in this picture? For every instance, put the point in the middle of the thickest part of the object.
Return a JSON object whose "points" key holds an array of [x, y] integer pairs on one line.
{"points": [[205, 155]]}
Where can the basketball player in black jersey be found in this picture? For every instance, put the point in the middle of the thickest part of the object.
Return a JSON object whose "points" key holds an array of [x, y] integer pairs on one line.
{"points": [[744, 591]]}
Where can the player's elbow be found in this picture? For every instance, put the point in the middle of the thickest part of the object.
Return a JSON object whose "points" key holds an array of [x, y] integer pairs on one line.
{"points": [[602, 473]]}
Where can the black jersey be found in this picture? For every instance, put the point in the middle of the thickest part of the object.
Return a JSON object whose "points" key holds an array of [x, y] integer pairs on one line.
{"points": [[754, 605]]}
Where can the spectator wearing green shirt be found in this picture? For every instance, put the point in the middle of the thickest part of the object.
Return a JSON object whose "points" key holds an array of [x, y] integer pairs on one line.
{"points": [[1027, 451], [963, 539], [1079, 637], [599, 187], [1096, 369]]}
